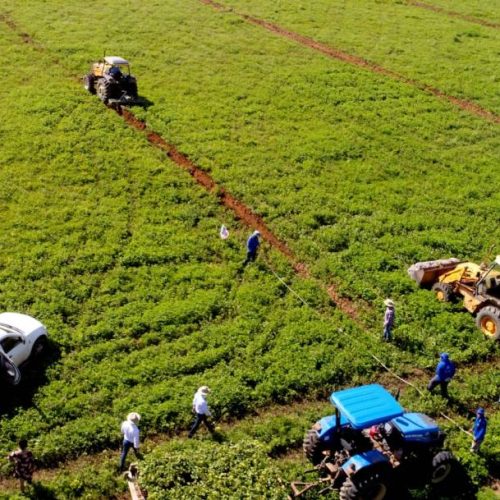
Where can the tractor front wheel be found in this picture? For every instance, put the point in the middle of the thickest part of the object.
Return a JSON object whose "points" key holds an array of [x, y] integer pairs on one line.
{"points": [[312, 447], [488, 321], [89, 83], [373, 487], [443, 291], [442, 465]]}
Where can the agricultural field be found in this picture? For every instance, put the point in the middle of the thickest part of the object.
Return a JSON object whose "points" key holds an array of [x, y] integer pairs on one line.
{"points": [[364, 135]]}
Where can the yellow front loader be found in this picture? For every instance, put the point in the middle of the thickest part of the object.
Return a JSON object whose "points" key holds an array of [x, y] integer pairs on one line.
{"points": [[478, 285]]}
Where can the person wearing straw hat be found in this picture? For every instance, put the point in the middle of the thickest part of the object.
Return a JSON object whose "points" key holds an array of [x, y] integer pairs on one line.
{"points": [[201, 410], [479, 430], [389, 316], [253, 243], [130, 433]]}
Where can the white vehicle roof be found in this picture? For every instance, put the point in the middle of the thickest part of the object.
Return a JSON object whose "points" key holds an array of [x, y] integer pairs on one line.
{"points": [[115, 60], [26, 324]]}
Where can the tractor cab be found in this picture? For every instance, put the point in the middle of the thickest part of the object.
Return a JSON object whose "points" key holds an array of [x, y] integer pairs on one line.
{"points": [[110, 64]]}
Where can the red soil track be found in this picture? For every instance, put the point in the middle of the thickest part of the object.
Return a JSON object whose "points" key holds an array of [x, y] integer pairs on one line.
{"points": [[451, 13], [244, 213], [340, 55]]}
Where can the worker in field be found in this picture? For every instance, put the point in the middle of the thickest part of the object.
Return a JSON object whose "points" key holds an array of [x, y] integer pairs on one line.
{"points": [[445, 371], [24, 464], [201, 411], [130, 433], [253, 243], [479, 430], [389, 316]]}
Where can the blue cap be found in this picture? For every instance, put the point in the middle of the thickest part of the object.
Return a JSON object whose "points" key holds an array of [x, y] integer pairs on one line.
{"points": [[444, 356], [480, 411]]}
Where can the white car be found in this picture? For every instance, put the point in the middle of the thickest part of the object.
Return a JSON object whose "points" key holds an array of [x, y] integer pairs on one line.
{"points": [[21, 337]]}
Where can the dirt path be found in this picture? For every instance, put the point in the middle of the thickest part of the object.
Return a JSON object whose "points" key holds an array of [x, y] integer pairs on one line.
{"points": [[340, 55], [451, 13]]}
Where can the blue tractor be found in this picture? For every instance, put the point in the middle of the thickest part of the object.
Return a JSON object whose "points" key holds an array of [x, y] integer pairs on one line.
{"points": [[370, 447]]}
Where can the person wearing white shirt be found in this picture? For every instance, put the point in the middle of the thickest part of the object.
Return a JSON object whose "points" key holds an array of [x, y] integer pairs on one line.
{"points": [[201, 410], [130, 433]]}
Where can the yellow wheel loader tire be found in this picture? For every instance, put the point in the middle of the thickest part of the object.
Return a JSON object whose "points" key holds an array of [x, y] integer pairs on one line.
{"points": [[443, 291], [488, 321]]}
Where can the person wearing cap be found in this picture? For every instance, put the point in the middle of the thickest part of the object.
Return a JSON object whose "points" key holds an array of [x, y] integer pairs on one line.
{"points": [[130, 433], [253, 243], [201, 410], [479, 430], [389, 316], [444, 373]]}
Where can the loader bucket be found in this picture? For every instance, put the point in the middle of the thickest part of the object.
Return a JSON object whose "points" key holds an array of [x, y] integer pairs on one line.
{"points": [[427, 273]]}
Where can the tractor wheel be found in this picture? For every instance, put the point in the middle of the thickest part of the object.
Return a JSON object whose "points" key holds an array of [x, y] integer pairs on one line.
{"points": [[443, 291], [103, 91], [442, 465], [89, 83], [488, 321], [38, 347], [312, 447], [373, 487]]}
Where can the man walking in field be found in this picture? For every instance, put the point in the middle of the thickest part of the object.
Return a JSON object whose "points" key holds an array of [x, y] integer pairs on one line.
{"points": [[130, 433], [201, 410], [24, 464], [444, 373], [479, 430], [253, 243], [389, 317]]}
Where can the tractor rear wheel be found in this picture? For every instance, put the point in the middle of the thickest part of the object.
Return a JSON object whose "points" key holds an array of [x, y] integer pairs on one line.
{"points": [[488, 321], [89, 83], [443, 291], [312, 447], [442, 465], [373, 487], [103, 91]]}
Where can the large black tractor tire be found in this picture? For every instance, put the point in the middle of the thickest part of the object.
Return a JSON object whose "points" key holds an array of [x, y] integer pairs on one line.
{"points": [[442, 467], [443, 291], [89, 83], [312, 447], [103, 90], [375, 486], [39, 347], [488, 321], [132, 89]]}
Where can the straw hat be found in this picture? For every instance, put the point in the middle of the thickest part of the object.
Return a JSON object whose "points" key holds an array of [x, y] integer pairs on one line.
{"points": [[256, 233], [133, 417], [389, 303], [204, 390]]}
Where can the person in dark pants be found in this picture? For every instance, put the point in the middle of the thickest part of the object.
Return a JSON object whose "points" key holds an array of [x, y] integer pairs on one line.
{"points": [[388, 319], [24, 464], [253, 243], [444, 373], [201, 410], [130, 437], [479, 430]]}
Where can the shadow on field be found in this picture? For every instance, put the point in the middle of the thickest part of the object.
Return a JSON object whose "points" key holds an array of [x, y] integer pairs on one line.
{"points": [[142, 102], [33, 376]]}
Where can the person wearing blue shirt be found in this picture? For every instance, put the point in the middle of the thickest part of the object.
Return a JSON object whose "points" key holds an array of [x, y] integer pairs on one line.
{"points": [[253, 243], [479, 430], [444, 373]]}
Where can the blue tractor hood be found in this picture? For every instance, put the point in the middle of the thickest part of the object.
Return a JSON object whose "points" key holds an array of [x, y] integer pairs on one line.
{"points": [[417, 427], [366, 405]]}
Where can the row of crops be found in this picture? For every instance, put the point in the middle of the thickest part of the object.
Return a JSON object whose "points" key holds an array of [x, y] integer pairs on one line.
{"points": [[117, 251]]}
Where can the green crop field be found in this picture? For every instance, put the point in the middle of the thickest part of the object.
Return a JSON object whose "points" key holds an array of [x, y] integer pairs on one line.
{"points": [[360, 169]]}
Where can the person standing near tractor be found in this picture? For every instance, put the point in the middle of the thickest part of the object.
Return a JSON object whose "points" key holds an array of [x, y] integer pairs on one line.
{"points": [[24, 464], [130, 433], [479, 430], [444, 373], [253, 244], [389, 317], [201, 410]]}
